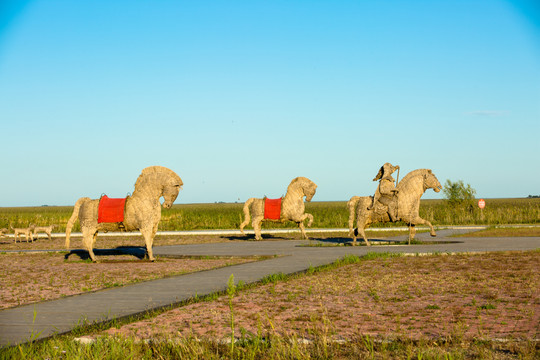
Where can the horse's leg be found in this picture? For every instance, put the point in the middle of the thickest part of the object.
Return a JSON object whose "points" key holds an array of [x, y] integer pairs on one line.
{"points": [[303, 230], [412, 232], [148, 233], [94, 238], [310, 217], [362, 233], [360, 227], [257, 221], [352, 214], [301, 224], [245, 222], [89, 238], [418, 220]]}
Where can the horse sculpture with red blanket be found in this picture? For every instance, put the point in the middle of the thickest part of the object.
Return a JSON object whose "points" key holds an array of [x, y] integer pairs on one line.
{"points": [[142, 209], [291, 207]]}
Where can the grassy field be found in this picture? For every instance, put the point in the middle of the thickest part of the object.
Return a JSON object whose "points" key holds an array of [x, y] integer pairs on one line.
{"points": [[326, 215]]}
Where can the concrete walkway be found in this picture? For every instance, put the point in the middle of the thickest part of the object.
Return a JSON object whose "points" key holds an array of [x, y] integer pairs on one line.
{"points": [[44, 319]]}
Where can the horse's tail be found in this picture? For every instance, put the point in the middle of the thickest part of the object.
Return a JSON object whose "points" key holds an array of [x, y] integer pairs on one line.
{"points": [[73, 218], [247, 204]]}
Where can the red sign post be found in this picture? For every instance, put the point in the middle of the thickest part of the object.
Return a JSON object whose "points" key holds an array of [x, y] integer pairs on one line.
{"points": [[481, 203]]}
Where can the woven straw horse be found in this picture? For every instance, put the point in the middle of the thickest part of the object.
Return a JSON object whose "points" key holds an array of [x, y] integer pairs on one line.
{"points": [[411, 189], [292, 207], [142, 209]]}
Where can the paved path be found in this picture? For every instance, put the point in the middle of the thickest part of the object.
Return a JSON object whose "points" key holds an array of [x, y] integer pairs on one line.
{"points": [[44, 319]]}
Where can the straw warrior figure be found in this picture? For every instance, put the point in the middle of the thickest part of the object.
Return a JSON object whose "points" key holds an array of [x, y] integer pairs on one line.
{"points": [[292, 207], [384, 198], [407, 203], [142, 209]]}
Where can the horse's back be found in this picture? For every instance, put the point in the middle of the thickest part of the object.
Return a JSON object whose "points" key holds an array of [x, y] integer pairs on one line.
{"points": [[88, 211], [255, 206]]}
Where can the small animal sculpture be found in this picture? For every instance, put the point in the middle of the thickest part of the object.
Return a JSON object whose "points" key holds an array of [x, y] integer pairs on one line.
{"points": [[44, 229], [27, 232], [3, 231], [410, 190], [142, 209], [292, 207]]}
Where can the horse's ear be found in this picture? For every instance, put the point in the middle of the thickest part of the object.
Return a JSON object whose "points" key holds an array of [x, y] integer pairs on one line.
{"points": [[379, 174], [429, 171]]}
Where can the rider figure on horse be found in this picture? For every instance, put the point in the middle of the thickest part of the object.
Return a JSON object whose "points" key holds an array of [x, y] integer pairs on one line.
{"points": [[386, 193]]}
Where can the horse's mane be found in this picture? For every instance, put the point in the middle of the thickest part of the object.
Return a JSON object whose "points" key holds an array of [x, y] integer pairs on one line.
{"points": [[414, 173], [405, 182], [301, 181], [143, 178]]}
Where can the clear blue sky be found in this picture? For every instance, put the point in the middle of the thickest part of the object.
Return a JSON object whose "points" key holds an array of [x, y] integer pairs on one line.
{"points": [[239, 97]]}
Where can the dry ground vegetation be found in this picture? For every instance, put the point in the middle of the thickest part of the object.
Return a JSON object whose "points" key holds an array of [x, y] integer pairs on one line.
{"points": [[382, 306], [487, 296], [33, 277]]}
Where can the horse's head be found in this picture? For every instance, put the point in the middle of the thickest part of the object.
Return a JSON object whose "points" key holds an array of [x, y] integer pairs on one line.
{"points": [[431, 181], [159, 181], [302, 186], [309, 189], [171, 188]]}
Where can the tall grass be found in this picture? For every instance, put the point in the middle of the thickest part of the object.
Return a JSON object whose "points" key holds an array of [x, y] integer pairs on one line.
{"points": [[271, 346], [332, 214], [39, 216]]}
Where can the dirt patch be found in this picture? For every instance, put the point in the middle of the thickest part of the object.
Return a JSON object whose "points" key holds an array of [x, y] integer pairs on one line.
{"points": [[491, 296], [28, 278]]}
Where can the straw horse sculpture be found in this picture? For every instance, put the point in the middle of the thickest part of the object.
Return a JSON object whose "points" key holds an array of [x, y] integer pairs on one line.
{"points": [[411, 188], [292, 207], [142, 209]]}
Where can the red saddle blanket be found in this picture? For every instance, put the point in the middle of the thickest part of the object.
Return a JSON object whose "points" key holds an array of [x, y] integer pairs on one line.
{"points": [[272, 208], [111, 210]]}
